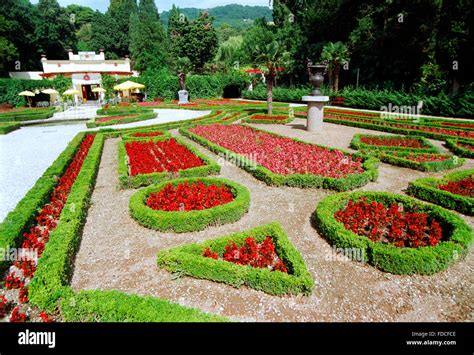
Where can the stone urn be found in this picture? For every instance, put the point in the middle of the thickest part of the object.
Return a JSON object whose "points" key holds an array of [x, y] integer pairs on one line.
{"points": [[316, 100]]}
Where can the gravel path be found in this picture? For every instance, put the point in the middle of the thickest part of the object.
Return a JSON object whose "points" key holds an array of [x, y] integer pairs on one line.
{"points": [[117, 253], [26, 153]]}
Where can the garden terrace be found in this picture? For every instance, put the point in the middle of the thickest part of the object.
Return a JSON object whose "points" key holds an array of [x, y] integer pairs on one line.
{"points": [[108, 270]]}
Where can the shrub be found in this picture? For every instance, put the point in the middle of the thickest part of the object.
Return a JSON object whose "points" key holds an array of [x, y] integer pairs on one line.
{"points": [[457, 235], [427, 189], [127, 119], [189, 260], [194, 220]]}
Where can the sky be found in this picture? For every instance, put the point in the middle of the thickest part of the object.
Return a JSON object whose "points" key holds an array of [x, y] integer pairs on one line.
{"points": [[164, 5]]}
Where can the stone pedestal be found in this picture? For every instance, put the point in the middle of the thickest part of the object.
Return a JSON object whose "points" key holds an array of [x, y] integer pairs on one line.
{"points": [[183, 97], [315, 112]]}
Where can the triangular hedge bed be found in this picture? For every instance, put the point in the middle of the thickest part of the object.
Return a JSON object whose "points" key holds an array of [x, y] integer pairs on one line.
{"points": [[189, 260]]}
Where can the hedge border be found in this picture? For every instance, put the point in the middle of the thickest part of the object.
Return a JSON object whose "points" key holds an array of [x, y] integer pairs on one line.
{"points": [[123, 110], [27, 115], [452, 144], [389, 158], [139, 117], [358, 145], [127, 181], [352, 181], [129, 137], [424, 260], [426, 189], [189, 221], [8, 127], [188, 260], [23, 215], [49, 287], [251, 119]]}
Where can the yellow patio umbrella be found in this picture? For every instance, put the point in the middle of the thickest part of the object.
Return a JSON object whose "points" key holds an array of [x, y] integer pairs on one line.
{"points": [[28, 94], [99, 90], [71, 92], [50, 92], [128, 85]]}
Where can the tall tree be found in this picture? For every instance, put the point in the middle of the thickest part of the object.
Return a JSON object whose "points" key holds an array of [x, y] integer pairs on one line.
{"points": [[336, 55], [148, 40], [119, 12], [54, 31]]}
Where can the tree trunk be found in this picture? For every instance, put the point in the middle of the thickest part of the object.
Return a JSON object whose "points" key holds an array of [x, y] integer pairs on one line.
{"points": [[336, 78], [331, 78], [270, 95]]}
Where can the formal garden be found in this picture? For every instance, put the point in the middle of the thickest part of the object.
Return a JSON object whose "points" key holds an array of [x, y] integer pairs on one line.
{"points": [[294, 203]]}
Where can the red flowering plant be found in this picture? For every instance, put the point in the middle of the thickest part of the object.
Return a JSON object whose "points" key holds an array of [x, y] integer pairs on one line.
{"points": [[13, 282], [155, 157], [392, 141], [257, 255], [280, 155], [391, 224], [188, 197], [23, 295], [463, 187], [45, 318], [17, 316], [3, 306], [148, 134], [113, 118]]}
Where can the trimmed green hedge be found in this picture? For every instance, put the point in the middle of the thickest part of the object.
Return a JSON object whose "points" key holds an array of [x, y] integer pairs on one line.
{"points": [[252, 119], [123, 110], [398, 160], [6, 128], [351, 181], [27, 115], [189, 221], [358, 145], [424, 260], [139, 117], [129, 136], [114, 306], [56, 263], [452, 144], [127, 181], [426, 189], [19, 220], [188, 260]]}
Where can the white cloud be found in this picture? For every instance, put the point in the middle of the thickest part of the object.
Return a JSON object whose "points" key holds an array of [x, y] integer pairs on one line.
{"points": [[163, 5]]}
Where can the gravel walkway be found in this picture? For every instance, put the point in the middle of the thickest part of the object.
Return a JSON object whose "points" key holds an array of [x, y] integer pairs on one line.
{"points": [[117, 253]]}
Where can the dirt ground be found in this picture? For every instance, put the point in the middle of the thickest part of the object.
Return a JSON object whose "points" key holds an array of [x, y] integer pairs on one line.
{"points": [[116, 253]]}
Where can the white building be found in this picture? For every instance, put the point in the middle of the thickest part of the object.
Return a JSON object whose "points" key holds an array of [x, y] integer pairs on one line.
{"points": [[85, 69]]}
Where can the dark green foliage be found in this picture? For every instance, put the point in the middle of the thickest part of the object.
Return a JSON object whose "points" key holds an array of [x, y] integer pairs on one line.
{"points": [[350, 182], [426, 189], [457, 235], [189, 221], [188, 260]]}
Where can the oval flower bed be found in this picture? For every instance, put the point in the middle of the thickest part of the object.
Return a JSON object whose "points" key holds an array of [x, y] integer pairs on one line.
{"points": [[395, 233], [262, 258], [454, 191], [280, 160], [187, 205]]}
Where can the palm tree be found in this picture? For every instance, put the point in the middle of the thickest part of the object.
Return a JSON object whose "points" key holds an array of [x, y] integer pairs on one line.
{"points": [[335, 54], [272, 58]]}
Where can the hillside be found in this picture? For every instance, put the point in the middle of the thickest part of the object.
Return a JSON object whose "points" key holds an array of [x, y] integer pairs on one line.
{"points": [[237, 16]]}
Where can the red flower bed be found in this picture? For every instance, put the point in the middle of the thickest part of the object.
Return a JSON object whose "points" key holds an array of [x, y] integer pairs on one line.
{"points": [[155, 103], [46, 221], [257, 255], [390, 225], [423, 158], [466, 146], [190, 197], [149, 134], [112, 118], [392, 142], [437, 130], [464, 187], [463, 125], [266, 117], [281, 155], [156, 157]]}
